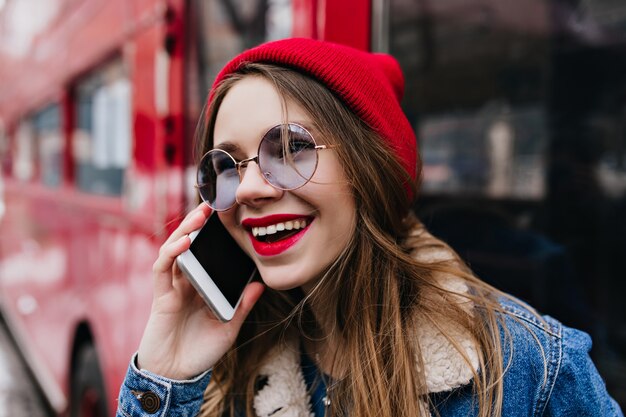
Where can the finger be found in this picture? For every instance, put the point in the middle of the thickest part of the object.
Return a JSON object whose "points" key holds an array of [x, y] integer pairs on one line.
{"points": [[251, 295], [162, 268], [180, 282], [193, 221], [204, 208]]}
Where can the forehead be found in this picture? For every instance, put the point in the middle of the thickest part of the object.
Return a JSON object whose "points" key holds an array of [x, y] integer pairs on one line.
{"points": [[249, 109]]}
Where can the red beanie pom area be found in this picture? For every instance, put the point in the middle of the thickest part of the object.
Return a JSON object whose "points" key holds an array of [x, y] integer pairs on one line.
{"points": [[370, 84]]}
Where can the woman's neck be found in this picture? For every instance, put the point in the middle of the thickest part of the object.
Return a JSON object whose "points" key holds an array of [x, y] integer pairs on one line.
{"points": [[323, 343], [323, 353]]}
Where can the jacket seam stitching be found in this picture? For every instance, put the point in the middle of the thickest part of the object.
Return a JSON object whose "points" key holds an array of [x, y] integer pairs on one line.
{"points": [[556, 358], [547, 327]]}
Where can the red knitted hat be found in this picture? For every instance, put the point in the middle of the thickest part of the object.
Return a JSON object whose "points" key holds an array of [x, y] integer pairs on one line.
{"points": [[370, 84]]}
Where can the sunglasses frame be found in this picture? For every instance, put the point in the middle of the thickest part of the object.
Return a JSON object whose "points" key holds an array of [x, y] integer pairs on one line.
{"points": [[244, 163]]}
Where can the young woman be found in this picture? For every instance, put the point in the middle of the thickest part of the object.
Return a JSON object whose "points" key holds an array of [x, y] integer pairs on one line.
{"points": [[360, 311]]}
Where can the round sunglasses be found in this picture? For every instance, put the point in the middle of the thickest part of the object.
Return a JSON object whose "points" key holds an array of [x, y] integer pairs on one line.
{"points": [[287, 158]]}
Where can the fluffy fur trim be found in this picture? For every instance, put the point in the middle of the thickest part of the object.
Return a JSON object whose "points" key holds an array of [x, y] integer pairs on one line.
{"points": [[445, 367], [285, 393]]}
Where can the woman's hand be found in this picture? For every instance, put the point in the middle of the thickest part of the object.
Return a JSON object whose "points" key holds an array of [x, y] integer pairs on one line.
{"points": [[183, 338]]}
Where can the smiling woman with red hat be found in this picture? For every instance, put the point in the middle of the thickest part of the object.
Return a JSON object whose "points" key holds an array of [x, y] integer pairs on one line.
{"points": [[360, 311]]}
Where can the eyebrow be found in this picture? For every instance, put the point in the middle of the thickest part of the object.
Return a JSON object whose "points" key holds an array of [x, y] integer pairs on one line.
{"points": [[227, 146]]}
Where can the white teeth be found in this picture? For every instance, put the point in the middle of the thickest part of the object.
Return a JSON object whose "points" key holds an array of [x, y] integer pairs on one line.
{"points": [[278, 227]]}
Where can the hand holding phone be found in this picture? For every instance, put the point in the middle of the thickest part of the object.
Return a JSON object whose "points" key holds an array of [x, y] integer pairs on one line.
{"points": [[183, 337]]}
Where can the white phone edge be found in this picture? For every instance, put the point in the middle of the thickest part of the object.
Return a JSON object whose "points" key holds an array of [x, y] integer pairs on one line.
{"points": [[204, 284]]}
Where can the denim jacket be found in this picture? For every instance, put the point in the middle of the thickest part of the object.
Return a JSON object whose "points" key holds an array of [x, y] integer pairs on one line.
{"points": [[560, 381]]}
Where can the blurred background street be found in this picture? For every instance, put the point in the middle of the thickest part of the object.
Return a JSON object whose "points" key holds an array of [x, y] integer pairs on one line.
{"points": [[19, 394]]}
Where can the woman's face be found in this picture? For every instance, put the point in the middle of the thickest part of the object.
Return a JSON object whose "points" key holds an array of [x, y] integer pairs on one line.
{"points": [[321, 214]]}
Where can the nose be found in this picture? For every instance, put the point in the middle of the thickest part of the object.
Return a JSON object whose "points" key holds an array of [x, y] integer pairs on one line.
{"points": [[254, 190]]}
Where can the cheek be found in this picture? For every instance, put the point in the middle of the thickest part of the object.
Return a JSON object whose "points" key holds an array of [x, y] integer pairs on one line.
{"points": [[226, 218], [339, 218], [346, 227], [347, 221]]}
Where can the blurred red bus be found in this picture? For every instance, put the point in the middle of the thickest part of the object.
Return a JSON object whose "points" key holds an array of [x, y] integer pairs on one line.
{"points": [[519, 107], [98, 103]]}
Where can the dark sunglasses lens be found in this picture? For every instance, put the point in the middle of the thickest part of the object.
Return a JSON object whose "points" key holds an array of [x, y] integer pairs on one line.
{"points": [[218, 180], [290, 163]]}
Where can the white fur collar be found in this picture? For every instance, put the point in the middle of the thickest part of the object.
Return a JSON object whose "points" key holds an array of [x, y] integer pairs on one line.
{"points": [[285, 393]]}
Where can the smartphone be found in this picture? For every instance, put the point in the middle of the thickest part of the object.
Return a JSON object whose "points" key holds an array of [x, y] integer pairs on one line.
{"points": [[217, 267]]}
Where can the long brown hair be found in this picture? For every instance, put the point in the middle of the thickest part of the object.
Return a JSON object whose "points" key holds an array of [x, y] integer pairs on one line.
{"points": [[377, 291]]}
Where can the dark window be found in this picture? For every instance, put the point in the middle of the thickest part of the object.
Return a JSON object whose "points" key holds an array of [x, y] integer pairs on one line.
{"points": [[46, 127], [102, 140]]}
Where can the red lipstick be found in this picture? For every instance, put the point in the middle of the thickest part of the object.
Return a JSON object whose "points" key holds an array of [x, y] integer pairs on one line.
{"points": [[272, 248]]}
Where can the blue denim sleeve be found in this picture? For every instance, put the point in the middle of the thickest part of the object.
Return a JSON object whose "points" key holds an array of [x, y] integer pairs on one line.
{"points": [[144, 394], [579, 390]]}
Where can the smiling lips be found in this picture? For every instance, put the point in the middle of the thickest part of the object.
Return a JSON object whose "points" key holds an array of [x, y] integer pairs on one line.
{"points": [[272, 235]]}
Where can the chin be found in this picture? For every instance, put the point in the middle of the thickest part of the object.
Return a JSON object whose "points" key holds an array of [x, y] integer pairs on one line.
{"points": [[284, 278], [279, 285]]}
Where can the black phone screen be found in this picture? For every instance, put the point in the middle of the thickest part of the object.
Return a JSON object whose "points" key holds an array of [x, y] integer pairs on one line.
{"points": [[220, 256]]}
